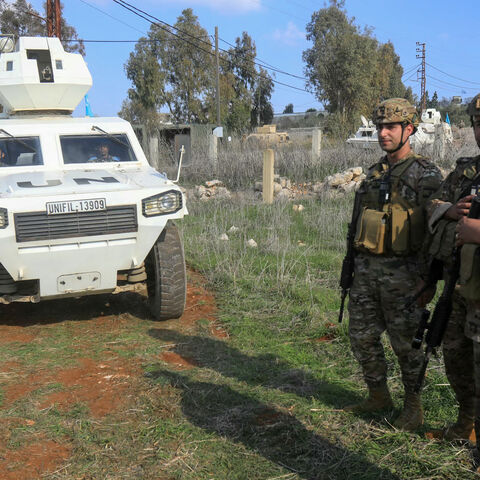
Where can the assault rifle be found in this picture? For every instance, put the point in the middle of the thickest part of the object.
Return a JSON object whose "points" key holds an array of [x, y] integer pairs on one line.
{"points": [[348, 265], [441, 314]]}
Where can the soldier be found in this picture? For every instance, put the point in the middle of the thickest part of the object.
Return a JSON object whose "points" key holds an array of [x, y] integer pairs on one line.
{"points": [[446, 211], [390, 230]]}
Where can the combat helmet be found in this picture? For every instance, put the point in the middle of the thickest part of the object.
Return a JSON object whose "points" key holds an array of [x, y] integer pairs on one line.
{"points": [[473, 108], [396, 110]]}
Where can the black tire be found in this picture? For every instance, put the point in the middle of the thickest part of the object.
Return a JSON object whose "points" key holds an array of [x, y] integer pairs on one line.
{"points": [[166, 275]]}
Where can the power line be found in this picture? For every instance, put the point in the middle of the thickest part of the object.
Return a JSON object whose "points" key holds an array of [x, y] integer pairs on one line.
{"points": [[453, 76], [265, 64], [410, 70], [135, 10], [144, 15], [111, 16], [452, 84]]}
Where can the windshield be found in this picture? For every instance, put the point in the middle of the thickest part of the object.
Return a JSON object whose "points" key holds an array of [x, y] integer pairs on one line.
{"points": [[96, 149], [20, 152]]}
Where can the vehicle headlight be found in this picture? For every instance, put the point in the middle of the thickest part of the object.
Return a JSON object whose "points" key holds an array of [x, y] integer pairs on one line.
{"points": [[3, 218], [162, 204]]}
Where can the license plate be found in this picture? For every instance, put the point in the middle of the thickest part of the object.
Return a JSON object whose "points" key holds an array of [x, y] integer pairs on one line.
{"points": [[75, 206]]}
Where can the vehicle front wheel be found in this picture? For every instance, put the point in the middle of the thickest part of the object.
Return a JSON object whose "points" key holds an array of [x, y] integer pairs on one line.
{"points": [[166, 275]]}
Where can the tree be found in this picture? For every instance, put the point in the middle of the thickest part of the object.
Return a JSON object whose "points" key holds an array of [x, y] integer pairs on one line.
{"points": [[288, 108], [433, 103], [251, 88], [239, 74], [262, 111], [347, 68], [173, 68], [21, 19]]}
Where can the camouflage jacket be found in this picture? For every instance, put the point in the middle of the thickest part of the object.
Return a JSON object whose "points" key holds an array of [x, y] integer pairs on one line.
{"points": [[416, 184], [458, 184], [412, 181]]}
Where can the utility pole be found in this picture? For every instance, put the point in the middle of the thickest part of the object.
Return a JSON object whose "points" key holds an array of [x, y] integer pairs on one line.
{"points": [[421, 72], [53, 18], [217, 79]]}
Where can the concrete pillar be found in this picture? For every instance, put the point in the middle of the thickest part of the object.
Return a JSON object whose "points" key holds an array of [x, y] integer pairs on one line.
{"points": [[316, 144], [153, 155], [213, 151], [268, 163]]}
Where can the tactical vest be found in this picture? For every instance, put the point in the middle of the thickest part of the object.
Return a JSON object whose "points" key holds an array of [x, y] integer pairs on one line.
{"points": [[442, 242], [469, 279], [388, 222]]}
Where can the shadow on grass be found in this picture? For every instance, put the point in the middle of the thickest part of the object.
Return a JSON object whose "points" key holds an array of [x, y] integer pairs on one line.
{"points": [[272, 433], [266, 370], [80, 308]]}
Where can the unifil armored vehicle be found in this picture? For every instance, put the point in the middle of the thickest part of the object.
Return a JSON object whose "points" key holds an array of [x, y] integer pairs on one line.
{"points": [[81, 210]]}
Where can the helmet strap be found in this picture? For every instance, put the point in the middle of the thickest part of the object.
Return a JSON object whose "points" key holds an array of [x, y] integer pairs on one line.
{"points": [[402, 143]]}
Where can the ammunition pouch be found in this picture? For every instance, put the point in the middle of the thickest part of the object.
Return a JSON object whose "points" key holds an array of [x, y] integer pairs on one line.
{"points": [[371, 231], [396, 230], [442, 242], [469, 279]]}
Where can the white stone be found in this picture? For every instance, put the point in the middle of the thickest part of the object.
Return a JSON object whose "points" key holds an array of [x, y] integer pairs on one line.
{"points": [[348, 187], [214, 183], [252, 243], [223, 237], [356, 171], [277, 188], [233, 229], [222, 192], [284, 194]]}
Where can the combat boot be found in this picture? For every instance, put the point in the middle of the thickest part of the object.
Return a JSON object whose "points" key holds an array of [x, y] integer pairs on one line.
{"points": [[378, 399], [412, 414], [462, 428]]}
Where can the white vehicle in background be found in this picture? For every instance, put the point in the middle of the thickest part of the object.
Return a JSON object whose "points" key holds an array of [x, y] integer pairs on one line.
{"points": [[81, 210], [430, 129]]}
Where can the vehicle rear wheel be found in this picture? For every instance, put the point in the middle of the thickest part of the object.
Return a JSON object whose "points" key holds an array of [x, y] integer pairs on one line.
{"points": [[166, 275]]}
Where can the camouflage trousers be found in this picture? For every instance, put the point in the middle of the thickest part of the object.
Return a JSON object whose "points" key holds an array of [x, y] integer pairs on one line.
{"points": [[472, 331], [458, 355], [377, 304]]}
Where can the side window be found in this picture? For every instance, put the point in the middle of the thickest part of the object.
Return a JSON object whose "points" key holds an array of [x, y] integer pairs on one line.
{"points": [[96, 149], [20, 152]]}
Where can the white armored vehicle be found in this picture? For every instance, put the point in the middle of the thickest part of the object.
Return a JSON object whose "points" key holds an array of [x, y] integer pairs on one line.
{"points": [[81, 210]]}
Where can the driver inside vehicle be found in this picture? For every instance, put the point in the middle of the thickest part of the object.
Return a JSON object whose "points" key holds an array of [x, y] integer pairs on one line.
{"points": [[3, 159], [103, 155]]}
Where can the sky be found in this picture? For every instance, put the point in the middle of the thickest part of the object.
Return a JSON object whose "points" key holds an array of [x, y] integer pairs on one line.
{"points": [[450, 34]]}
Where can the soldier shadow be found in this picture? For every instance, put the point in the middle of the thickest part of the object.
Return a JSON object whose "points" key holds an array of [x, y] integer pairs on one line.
{"points": [[266, 370], [270, 432], [74, 308]]}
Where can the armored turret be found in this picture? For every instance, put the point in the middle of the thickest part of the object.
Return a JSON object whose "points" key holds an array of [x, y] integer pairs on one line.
{"points": [[37, 76]]}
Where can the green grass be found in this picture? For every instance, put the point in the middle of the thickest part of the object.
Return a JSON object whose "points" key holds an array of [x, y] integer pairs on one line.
{"points": [[276, 301], [264, 404]]}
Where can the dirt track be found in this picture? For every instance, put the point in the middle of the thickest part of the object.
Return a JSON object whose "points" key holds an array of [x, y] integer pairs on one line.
{"points": [[90, 368]]}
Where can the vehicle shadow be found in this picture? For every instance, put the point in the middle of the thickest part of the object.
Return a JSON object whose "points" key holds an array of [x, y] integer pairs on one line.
{"points": [[75, 308], [266, 370], [268, 431]]}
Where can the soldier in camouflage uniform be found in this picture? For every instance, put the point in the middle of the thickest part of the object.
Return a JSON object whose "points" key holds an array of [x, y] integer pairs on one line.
{"points": [[447, 212], [390, 230]]}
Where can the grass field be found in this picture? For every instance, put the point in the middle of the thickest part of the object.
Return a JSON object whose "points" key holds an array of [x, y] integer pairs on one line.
{"points": [[286, 354], [249, 384]]}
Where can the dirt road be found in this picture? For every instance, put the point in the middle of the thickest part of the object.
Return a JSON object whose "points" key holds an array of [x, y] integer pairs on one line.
{"points": [[62, 357]]}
